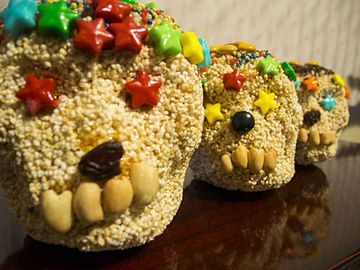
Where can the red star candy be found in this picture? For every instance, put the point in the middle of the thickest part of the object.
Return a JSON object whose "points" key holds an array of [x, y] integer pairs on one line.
{"points": [[38, 93], [92, 36], [234, 80], [128, 35], [112, 10], [311, 84], [143, 90]]}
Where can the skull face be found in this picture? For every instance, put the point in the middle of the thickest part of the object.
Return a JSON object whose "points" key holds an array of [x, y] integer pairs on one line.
{"points": [[250, 133], [97, 171], [321, 94]]}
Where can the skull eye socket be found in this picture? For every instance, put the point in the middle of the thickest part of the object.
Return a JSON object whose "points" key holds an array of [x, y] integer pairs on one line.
{"points": [[243, 122]]}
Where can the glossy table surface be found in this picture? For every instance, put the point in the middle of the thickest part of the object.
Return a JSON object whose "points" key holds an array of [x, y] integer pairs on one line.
{"points": [[311, 223]]}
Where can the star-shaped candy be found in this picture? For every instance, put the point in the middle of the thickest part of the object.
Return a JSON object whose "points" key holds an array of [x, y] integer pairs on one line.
{"points": [[311, 84], [328, 102], [112, 10], [38, 93], [338, 80], [269, 66], [192, 48], [213, 113], [206, 52], [19, 16], [92, 36], [166, 39], [56, 18], [143, 90], [128, 35], [347, 92], [265, 102], [234, 80]]}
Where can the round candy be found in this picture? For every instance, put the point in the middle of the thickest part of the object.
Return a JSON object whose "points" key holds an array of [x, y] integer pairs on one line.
{"points": [[243, 121]]}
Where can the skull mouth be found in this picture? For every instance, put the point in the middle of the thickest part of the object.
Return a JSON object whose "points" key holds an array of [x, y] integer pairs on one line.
{"points": [[314, 137]]}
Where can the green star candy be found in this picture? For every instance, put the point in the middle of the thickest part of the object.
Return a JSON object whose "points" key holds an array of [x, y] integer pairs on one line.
{"points": [[166, 39], [56, 19], [269, 66]]}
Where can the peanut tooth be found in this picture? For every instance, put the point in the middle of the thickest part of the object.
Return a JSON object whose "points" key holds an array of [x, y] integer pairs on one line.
{"points": [[227, 164], [256, 159], [314, 137], [270, 160], [303, 136], [240, 156]]}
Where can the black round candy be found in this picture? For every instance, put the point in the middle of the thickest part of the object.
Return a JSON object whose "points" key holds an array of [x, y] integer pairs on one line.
{"points": [[311, 117], [243, 121]]}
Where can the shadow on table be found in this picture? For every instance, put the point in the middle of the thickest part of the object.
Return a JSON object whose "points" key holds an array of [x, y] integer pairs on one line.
{"points": [[213, 229]]}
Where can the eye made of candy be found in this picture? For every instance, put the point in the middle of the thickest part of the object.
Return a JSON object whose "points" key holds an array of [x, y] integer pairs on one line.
{"points": [[243, 121]]}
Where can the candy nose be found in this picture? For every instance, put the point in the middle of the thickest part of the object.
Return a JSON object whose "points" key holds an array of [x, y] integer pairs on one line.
{"points": [[311, 117], [243, 122]]}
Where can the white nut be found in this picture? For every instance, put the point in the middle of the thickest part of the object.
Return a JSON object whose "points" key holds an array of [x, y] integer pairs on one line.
{"points": [[117, 195], [145, 181], [57, 210], [87, 202]]}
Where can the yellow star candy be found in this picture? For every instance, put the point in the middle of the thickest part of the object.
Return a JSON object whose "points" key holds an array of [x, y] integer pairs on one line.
{"points": [[265, 102], [213, 112], [338, 80]]}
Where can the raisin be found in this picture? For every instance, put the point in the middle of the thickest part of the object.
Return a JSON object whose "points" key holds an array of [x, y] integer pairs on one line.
{"points": [[103, 161], [312, 117]]}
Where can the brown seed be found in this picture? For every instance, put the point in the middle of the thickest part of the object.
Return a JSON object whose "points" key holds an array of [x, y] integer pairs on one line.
{"points": [[256, 159], [226, 162], [303, 136], [270, 160], [87, 202], [239, 156], [117, 195], [314, 137]]}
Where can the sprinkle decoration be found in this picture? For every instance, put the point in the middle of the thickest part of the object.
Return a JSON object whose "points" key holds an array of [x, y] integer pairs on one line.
{"points": [[143, 90], [206, 52], [213, 113], [19, 16], [38, 93], [288, 70], [128, 35], [338, 80], [311, 84], [56, 19], [192, 48], [269, 66], [234, 80], [265, 101], [328, 102], [244, 46], [92, 36], [166, 39], [347, 92], [112, 10]]}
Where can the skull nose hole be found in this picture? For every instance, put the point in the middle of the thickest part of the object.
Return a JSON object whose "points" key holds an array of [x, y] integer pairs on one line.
{"points": [[311, 117]]}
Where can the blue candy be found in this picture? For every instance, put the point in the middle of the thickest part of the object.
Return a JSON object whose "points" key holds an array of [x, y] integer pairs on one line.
{"points": [[296, 84], [19, 16], [206, 52]]}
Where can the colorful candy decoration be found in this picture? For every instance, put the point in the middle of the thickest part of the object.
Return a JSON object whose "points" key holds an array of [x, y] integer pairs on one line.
{"points": [[244, 46], [166, 39], [265, 101], [128, 35], [223, 49], [19, 16], [311, 84], [112, 10], [92, 36], [38, 93], [328, 102], [213, 112], [288, 70], [296, 84], [143, 90], [312, 63], [243, 121], [206, 52], [269, 66], [234, 80], [347, 92], [192, 48], [56, 19], [338, 80]]}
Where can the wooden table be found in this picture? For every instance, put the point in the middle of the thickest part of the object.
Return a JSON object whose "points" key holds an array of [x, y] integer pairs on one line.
{"points": [[311, 223]]}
